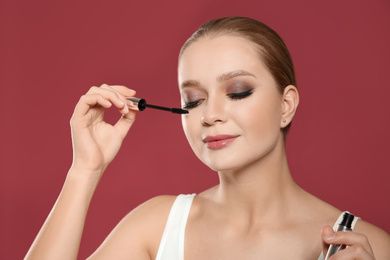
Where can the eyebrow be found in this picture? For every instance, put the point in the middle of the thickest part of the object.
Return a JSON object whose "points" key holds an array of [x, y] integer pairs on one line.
{"points": [[190, 83], [223, 77], [233, 74]]}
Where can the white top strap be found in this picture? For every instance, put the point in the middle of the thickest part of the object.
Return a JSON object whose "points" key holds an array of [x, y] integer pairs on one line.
{"points": [[172, 242]]}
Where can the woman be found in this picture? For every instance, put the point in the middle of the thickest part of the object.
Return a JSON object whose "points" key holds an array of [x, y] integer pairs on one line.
{"points": [[237, 80]]}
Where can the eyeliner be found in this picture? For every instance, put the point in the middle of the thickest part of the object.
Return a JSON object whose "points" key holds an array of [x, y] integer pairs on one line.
{"points": [[142, 105]]}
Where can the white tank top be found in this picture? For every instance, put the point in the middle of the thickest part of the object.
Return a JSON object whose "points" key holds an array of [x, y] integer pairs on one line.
{"points": [[172, 242]]}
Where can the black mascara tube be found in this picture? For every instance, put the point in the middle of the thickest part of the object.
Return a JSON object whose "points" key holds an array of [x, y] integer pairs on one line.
{"points": [[345, 225]]}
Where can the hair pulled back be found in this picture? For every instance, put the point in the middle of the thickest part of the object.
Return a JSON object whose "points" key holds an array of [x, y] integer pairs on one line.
{"points": [[269, 45]]}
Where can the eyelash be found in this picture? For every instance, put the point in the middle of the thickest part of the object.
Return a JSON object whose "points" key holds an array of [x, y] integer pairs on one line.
{"points": [[192, 104], [234, 96], [241, 95]]}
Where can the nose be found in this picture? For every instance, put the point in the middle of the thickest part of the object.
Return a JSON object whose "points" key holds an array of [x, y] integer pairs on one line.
{"points": [[213, 112]]}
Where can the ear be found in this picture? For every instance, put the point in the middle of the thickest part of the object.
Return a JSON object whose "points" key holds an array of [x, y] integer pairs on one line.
{"points": [[290, 103]]}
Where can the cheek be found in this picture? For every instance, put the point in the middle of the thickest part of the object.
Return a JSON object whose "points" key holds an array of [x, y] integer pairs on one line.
{"points": [[186, 126], [190, 128], [261, 118]]}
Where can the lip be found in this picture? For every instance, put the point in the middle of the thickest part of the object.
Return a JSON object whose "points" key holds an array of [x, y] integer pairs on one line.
{"points": [[219, 141]]}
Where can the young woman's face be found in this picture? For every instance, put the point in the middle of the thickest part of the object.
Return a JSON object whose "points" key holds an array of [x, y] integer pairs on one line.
{"points": [[235, 108]]}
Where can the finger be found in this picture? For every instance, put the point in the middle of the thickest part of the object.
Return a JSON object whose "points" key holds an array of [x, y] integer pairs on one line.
{"points": [[125, 122], [125, 91], [353, 252], [326, 232], [348, 238], [122, 91], [88, 101], [110, 94], [131, 105]]}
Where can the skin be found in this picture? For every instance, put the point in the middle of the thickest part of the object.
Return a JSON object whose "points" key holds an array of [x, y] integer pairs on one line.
{"points": [[256, 212]]}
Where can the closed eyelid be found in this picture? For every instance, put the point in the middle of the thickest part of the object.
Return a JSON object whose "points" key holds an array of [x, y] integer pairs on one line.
{"points": [[240, 95], [189, 96], [239, 86], [193, 104], [242, 91]]}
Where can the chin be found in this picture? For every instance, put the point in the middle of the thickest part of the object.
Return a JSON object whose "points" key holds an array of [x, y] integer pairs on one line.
{"points": [[238, 160], [226, 163]]}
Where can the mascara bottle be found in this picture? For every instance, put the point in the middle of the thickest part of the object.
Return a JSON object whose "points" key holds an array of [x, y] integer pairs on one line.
{"points": [[345, 225]]}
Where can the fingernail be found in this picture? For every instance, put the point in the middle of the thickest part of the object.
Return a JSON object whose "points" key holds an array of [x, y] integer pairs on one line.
{"points": [[332, 236], [130, 103]]}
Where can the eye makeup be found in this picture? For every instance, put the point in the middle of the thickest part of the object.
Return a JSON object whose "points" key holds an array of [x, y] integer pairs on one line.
{"points": [[192, 98], [238, 89], [234, 93], [241, 95], [191, 104]]}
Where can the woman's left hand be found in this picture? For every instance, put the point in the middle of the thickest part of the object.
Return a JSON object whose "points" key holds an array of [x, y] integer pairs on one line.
{"points": [[358, 245]]}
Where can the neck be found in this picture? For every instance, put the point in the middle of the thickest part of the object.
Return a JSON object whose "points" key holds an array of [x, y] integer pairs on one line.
{"points": [[263, 189]]}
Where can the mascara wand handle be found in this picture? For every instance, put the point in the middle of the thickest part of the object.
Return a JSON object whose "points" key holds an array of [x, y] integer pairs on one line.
{"points": [[140, 102], [142, 105]]}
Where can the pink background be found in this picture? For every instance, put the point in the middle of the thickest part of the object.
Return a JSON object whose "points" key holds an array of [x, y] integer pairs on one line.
{"points": [[51, 52]]}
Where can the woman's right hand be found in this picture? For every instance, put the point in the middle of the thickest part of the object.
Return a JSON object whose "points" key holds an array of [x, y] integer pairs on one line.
{"points": [[95, 142]]}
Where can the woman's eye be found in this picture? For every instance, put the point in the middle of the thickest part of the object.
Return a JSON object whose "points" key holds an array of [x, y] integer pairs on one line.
{"points": [[191, 104], [241, 95]]}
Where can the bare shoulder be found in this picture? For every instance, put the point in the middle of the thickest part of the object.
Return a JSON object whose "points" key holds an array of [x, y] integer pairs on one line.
{"points": [[152, 213], [157, 204], [138, 234], [378, 238], [326, 214], [317, 210]]}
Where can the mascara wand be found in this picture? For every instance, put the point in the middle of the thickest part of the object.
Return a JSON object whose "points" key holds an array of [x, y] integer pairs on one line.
{"points": [[142, 105]]}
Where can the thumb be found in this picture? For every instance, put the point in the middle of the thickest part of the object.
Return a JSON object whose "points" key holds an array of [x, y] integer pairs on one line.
{"points": [[125, 122], [327, 234]]}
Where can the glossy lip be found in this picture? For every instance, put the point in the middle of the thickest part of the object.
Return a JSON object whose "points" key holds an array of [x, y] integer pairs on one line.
{"points": [[219, 141]]}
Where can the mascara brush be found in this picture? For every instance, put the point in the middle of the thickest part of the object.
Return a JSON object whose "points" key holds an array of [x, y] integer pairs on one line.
{"points": [[142, 105]]}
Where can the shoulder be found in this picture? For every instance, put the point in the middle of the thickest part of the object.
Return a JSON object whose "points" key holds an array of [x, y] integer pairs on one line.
{"points": [[326, 214], [157, 204], [150, 217], [378, 238], [138, 234], [316, 211]]}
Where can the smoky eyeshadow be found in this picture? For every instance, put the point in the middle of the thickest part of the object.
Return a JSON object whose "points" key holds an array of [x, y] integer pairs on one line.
{"points": [[238, 87], [190, 96]]}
